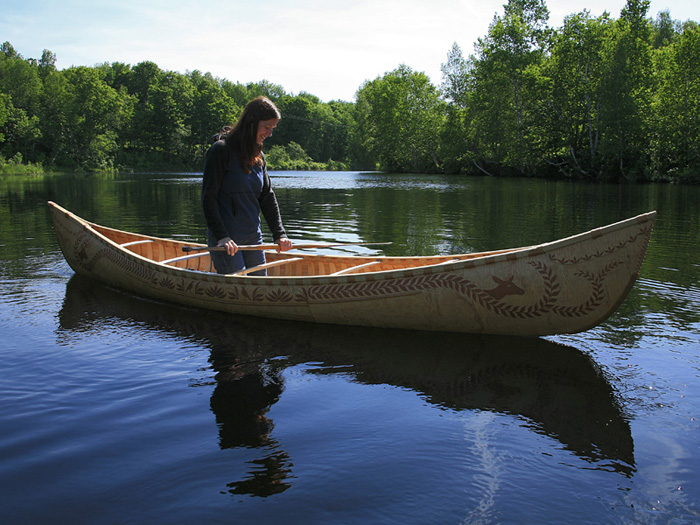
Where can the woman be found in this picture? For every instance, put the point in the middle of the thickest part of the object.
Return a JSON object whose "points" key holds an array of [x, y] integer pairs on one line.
{"points": [[236, 188]]}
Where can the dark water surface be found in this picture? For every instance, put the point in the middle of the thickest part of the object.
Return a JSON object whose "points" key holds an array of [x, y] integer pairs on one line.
{"points": [[119, 409]]}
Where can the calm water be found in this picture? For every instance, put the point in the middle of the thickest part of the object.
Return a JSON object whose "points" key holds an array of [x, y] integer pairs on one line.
{"points": [[118, 409]]}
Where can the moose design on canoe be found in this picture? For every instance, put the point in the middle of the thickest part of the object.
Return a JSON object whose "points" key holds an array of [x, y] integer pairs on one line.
{"points": [[505, 287], [561, 286]]}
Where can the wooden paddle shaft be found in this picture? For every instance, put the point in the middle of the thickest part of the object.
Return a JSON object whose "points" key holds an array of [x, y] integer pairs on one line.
{"points": [[275, 246]]}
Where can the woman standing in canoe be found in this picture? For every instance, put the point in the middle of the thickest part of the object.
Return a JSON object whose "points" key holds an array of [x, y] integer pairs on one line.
{"points": [[236, 188]]}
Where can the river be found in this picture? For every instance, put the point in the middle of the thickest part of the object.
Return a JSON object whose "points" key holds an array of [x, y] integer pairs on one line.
{"points": [[119, 409]]}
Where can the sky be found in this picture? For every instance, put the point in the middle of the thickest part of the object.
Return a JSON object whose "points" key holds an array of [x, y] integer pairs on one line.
{"points": [[327, 48]]}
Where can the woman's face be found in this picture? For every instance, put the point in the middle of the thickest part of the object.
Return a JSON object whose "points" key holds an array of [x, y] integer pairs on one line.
{"points": [[265, 128]]}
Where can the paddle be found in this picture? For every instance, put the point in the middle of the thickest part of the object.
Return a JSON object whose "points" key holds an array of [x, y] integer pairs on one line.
{"points": [[275, 246]]}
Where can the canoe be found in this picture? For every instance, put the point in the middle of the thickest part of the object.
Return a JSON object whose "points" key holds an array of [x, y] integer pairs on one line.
{"points": [[564, 286]]}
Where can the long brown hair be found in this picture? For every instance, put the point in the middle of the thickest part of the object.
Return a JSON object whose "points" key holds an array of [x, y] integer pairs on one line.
{"points": [[242, 138]]}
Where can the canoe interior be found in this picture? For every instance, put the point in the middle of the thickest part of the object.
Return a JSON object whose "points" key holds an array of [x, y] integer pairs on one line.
{"points": [[302, 265]]}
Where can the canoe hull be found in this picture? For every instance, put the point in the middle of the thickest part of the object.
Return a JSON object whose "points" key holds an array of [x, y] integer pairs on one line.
{"points": [[565, 286]]}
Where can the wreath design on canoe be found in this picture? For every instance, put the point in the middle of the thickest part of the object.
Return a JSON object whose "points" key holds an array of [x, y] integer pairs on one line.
{"points": [[485, 298]]}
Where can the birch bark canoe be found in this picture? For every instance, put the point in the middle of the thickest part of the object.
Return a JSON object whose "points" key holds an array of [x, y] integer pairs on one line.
{"points": [[564, 286]]}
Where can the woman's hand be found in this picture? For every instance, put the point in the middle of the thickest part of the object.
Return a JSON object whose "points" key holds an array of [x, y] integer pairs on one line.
{"points": [[284, 244], [227, 242]]}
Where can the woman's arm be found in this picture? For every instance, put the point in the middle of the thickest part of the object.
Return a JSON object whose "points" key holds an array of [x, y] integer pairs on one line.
{"points": [[211, 185], [270, 207]]}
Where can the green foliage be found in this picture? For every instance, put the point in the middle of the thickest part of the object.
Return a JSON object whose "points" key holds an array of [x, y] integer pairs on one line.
{"points": [[293, 157], [455, 74], [399, 117], [505, 105], [116, 116], [576, 70], [626, 88], [676, 108], [16, 166], [599, 98]]}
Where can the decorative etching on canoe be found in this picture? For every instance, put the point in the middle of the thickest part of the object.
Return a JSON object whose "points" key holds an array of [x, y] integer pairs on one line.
{"points": [[166, 282], [83, 242], [505, 287], [191, 287], [217, 292], [597, 294], [415, 285], [643, 232], [279, 296], [487, 299], [493, 300]]}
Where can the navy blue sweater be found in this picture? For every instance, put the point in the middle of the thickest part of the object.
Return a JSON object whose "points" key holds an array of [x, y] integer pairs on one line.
{"points": [[232, 199]]}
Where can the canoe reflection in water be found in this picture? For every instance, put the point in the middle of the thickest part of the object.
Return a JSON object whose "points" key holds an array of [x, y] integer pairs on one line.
{"points": [[556, 389]]}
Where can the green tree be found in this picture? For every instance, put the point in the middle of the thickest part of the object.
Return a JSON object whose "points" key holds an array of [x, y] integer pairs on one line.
{"points": [[5, 104], [400, 116], [664, 29], [212, 108], [454, 146], [505, 104], [47, 63], [300, 123], [117, 75], [339, 119], [576, 69], [140, 145], [265, 88], [238, 93], [321, 129], [676, 154], [19, 132], [455, 77], [55, 144], [291, 157], [20, 79], [94, 115], [171, 101], [626, 88]]}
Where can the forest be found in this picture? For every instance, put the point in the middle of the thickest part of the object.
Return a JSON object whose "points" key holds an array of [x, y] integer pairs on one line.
{"points": [[599, 98]]}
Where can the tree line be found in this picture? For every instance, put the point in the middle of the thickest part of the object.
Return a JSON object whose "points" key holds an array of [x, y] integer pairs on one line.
{"points": [[600, 98], [122, 117]]}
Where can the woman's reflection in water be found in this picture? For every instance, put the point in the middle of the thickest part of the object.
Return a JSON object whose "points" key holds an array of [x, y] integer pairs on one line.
{"points": [[242, 397]]}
